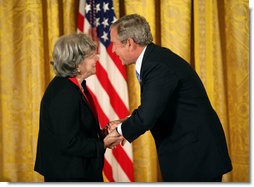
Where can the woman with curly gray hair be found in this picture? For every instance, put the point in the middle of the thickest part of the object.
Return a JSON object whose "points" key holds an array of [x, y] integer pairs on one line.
{"points": [[71, 144]]}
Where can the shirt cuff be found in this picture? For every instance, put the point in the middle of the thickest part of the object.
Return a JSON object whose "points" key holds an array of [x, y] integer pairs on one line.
{"points": [[119, 129]]}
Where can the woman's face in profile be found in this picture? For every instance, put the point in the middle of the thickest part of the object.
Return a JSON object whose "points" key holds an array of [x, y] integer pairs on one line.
{"points": [[88, 66]]}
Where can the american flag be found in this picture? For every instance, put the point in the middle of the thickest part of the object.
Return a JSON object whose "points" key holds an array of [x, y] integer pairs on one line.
{"points": [[109, 86]]}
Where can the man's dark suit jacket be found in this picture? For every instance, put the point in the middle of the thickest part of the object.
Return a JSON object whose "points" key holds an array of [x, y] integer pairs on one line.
{"points": [[189, 137], [68, 143]]}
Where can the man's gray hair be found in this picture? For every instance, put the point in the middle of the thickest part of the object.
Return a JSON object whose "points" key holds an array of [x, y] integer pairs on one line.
{"points": [[69, 51], [133, 26]]}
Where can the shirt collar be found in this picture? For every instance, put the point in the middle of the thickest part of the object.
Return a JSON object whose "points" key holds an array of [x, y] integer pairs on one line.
{"points": [[139, 61]]}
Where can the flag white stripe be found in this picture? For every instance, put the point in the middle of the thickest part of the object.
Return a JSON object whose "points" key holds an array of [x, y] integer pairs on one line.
{"points": [[82, 7], [97, 89], [128, 149], [115, 75], [118, 173], [86, 26]]}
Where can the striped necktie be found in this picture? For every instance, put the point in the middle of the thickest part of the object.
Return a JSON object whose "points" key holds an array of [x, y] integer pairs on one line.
{"points": [[138, 76]]}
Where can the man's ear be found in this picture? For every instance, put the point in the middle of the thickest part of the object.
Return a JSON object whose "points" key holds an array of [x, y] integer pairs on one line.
{"points": [[131, 44]]}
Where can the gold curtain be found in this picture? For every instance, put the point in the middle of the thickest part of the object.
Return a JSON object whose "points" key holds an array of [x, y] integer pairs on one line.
{"points": [[28, 31], [212, 35]]}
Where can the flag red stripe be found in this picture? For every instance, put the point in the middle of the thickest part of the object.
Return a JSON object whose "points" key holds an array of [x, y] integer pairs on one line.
{"points": [[80, 24], [124, 161], [117, 61], [116, 102], [108, 169], [103, 119]]}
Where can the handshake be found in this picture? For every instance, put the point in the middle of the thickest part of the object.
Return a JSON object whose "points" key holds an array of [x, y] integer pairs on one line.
{"points": [[110, 136]]}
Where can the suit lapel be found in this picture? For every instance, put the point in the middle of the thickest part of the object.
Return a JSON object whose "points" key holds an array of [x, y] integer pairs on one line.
{"points": [[89, 100], [85, 96], [148, 52], [89, 106]]}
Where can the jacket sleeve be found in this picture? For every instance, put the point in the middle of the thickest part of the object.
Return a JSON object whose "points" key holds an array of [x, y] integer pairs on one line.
{"points": [[158, 85]]}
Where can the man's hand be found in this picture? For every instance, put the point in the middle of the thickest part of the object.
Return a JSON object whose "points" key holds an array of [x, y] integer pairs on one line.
{"points": [[113, 124], [111, 127], [112, 140]]}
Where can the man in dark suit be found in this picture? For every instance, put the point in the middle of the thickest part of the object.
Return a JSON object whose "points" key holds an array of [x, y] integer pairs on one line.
{"points": [[189, 137]]}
